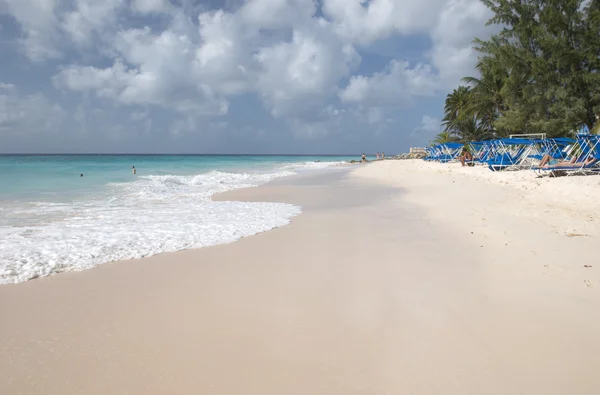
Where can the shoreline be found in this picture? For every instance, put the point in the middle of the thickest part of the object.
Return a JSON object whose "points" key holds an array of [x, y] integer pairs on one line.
{"points": [[89, 232], [391, 275]]}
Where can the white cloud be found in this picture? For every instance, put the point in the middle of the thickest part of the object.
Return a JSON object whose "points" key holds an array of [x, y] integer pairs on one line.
{"points": [[364, 22], [395, 86], [135, 86], [182, 67], [460, 22], [138, 116], [195, 59], [226, 55], [429, 127], [223, 57], [298, 73], [50, 27], [90, 18], [31, 113], [7, 87], [451, 25], [39, 25], [150, 6], [277, 14], [429, 124]]}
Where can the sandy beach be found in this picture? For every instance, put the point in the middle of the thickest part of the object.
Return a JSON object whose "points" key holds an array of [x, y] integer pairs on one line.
{"points": [[399, 277]]}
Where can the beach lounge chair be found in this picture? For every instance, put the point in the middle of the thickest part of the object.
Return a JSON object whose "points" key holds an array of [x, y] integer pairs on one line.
{"points": [[510, 154], [585, 159]]}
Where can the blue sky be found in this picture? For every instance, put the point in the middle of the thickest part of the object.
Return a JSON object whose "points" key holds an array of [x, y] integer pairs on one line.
{"points": [[256, 76]]}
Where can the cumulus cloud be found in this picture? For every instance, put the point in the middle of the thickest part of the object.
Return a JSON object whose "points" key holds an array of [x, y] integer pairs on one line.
{"points": [[90, 18], [300, 72], [277, 14], [429, 124], [150, 6], [223, 56], [28, 112], [363, 22], [396, 86], [40, 29], [7, 87], [459, 22], [135, 86], [426, 129], [226, 55], [297, 56], [451, 25]]}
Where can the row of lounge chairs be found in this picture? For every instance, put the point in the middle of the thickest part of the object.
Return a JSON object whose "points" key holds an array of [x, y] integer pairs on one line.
{"points": [[571, 156]]}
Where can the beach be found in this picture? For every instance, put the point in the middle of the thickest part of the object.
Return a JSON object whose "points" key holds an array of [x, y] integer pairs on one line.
{"points": [[398, 277]]}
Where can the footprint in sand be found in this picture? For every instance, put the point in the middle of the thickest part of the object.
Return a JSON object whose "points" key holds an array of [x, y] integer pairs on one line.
{"points": [[590, 283], [552, 270], [572, 234]]}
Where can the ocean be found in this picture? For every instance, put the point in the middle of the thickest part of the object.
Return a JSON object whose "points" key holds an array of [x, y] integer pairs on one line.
{"points": [[53, 220]]}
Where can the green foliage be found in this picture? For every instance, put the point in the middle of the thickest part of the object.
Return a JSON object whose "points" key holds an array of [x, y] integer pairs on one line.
{"points": [[540, 74], [442, 137], [466, 117]]}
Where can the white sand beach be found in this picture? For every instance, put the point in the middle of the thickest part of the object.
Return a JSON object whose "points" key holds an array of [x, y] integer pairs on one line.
{"points": [[399, 277]]}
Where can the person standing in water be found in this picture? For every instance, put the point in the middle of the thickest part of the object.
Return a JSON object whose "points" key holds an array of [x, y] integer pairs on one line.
{"points": [[133, 170]]}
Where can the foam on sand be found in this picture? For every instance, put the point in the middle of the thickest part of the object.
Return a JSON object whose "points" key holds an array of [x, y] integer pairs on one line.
{"points": [[152, 215]]}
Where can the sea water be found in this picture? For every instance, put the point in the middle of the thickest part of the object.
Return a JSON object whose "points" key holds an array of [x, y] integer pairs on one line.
{"points": [[53, 220]]}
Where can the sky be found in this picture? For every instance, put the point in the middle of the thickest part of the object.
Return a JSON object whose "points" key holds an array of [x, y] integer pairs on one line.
{"points": [[231, 76]]}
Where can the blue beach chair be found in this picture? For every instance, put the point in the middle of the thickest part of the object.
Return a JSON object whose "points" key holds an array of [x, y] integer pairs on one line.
{"points": [[582, 161], [510, 154]]}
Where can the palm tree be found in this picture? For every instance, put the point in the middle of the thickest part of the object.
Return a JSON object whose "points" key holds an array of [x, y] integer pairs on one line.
{"points": [[487, 102], [443, 137], [455, 108], [472, 129]]}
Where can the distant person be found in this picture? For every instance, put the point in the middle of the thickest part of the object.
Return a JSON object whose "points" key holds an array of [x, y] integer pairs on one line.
{"points": [[364, 158], [81, 175], [549, 162], [382, 156], [377, 156], [133, 170], [466, 156]]}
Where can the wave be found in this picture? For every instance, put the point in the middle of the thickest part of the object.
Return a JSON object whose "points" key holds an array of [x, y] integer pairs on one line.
{"points": [[154, 214]]}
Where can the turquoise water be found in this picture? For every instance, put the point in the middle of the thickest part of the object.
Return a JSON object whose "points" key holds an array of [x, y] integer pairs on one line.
{"points": [[52, 220], [55, 176]]}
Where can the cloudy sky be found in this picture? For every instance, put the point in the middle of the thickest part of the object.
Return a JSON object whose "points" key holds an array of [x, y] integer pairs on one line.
{"points": [[230, 76]]}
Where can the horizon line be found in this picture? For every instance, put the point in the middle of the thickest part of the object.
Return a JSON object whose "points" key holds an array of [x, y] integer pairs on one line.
{"points": [[164, 154]]}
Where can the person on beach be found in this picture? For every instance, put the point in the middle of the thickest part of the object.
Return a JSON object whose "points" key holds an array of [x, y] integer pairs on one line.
{"points": [[382, 156], [377, 156], [466, 156], [133, 170], [363, 158], [549, 162]]}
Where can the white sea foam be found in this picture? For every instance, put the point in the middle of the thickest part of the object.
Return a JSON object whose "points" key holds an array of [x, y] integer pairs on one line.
{"points": [[132, 220], [311, 165]]}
